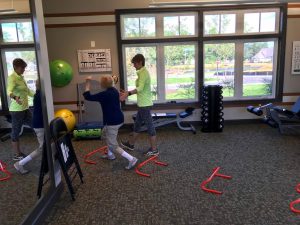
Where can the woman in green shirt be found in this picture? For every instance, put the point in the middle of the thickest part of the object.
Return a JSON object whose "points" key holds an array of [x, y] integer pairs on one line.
{"points": [[144, 103], [18, 92]]}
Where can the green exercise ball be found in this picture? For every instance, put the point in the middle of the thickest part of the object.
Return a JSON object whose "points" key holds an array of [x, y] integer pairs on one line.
{"points": [[61, 73]]}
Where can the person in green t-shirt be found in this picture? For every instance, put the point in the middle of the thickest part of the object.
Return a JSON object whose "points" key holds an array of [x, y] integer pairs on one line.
{"points": [[18, 92], [144, 103]]}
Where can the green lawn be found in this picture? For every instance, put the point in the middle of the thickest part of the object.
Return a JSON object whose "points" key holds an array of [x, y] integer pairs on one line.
{"points": [[255, 90], [168, 81], [249, 90]]}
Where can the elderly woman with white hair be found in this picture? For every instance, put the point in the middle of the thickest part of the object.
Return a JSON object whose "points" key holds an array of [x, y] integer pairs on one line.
{"points": [[113, 117]]}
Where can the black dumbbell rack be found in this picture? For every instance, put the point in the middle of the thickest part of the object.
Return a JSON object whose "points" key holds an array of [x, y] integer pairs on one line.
{"points": [[212, 109]]}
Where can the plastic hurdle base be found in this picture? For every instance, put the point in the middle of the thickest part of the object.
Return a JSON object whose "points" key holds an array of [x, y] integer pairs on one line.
{"points": [[3, 167], [152, 159], [102, 150], [214, 174]]}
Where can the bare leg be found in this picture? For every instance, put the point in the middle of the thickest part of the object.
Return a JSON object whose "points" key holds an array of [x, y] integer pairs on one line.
{"points": [[152, 140], [16, 147]]}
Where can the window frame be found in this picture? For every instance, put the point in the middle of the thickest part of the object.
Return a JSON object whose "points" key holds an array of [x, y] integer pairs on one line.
{"points": [[160, 69], [139, 16], [239, 69], [4, 46], [280, 36]]}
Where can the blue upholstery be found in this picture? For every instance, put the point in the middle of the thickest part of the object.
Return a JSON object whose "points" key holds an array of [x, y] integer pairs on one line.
{"points": [[296, 106], [185, 114], [88, 125], [160, 116]]}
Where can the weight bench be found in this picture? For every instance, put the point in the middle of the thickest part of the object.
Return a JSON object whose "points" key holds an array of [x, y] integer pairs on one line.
{"points": [[162, 119], [279, 117]]}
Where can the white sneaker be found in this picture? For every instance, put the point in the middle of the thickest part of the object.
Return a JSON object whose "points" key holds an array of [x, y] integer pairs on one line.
{"points": [[20, 168], [131, 163]]}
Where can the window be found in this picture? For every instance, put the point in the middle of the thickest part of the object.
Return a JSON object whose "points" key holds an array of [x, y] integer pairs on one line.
{"points": [[180, 72], [158, 26], [259, 68], [260, 22], [139, 27], [219, 66], [149, 53], [247, 69], [17, 32], [30, 74], [179, 25], [172, 66], [216, 24], [238, 48], [177, 75]]}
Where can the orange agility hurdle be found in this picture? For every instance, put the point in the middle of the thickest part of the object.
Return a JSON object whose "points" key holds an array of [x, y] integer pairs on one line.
{"points": [[293, 203], [3, 169], [214, 174], [102, 150], [151, 159]]}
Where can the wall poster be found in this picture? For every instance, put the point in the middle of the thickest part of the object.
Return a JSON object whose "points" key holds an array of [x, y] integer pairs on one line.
{"points": [[296, 58], [94, 60]]}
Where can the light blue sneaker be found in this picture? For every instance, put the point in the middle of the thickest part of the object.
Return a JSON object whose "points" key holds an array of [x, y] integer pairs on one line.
{"points": [[131, 163], [112, 157]]}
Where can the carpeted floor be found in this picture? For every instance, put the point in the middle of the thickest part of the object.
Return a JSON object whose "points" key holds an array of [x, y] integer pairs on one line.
{"points": [[18, 194], [264, 165]]}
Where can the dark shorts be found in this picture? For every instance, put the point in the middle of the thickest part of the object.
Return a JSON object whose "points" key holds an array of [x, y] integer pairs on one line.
{"points": [[144, 117], [18, 119]]}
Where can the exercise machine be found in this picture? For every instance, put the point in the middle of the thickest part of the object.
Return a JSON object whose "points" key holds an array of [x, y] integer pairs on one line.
{"points": [[278, 117], [162, 119], [90, 114]]}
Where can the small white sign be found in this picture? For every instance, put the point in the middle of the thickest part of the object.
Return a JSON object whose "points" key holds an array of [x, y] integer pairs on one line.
{"points": [[94, 60], [296, 58]]}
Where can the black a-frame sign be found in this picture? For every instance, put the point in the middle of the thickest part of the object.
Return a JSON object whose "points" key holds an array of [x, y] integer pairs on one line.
{"points": [[65, 155]]}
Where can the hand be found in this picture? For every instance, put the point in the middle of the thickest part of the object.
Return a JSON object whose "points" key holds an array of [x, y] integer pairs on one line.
{"points": [[18, 100], [123, 95], [88, 78]]}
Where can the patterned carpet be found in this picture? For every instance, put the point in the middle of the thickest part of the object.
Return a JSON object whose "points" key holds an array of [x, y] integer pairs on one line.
{"points": [[18, 194], [264, 166]]}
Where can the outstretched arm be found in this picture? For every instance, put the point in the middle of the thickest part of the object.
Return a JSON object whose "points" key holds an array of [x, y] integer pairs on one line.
{"points": [[125, 94]]}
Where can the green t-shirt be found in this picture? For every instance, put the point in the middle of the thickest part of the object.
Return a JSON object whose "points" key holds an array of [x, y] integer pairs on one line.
{"points": [[143, 87], [17, 86]]}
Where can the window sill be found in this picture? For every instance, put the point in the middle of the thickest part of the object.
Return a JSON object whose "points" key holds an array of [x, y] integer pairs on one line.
{"points": [[227, 104], [163, 106]]}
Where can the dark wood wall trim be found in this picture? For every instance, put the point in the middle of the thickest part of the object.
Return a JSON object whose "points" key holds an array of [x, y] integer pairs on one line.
{"points": [[79, 14], [292, 94], [290, 6], [293, 16], [80, 25], [66, 103]]}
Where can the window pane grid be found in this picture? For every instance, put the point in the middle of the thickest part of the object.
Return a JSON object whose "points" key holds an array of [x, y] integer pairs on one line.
{"points": [[17, 32], [245, 68]]}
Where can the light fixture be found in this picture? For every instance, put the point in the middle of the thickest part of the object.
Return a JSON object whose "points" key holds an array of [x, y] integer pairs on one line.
{"points": [[183, 3]]}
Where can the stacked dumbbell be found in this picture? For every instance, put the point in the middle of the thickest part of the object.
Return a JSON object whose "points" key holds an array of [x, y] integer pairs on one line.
{"points": [[212, 109]]}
